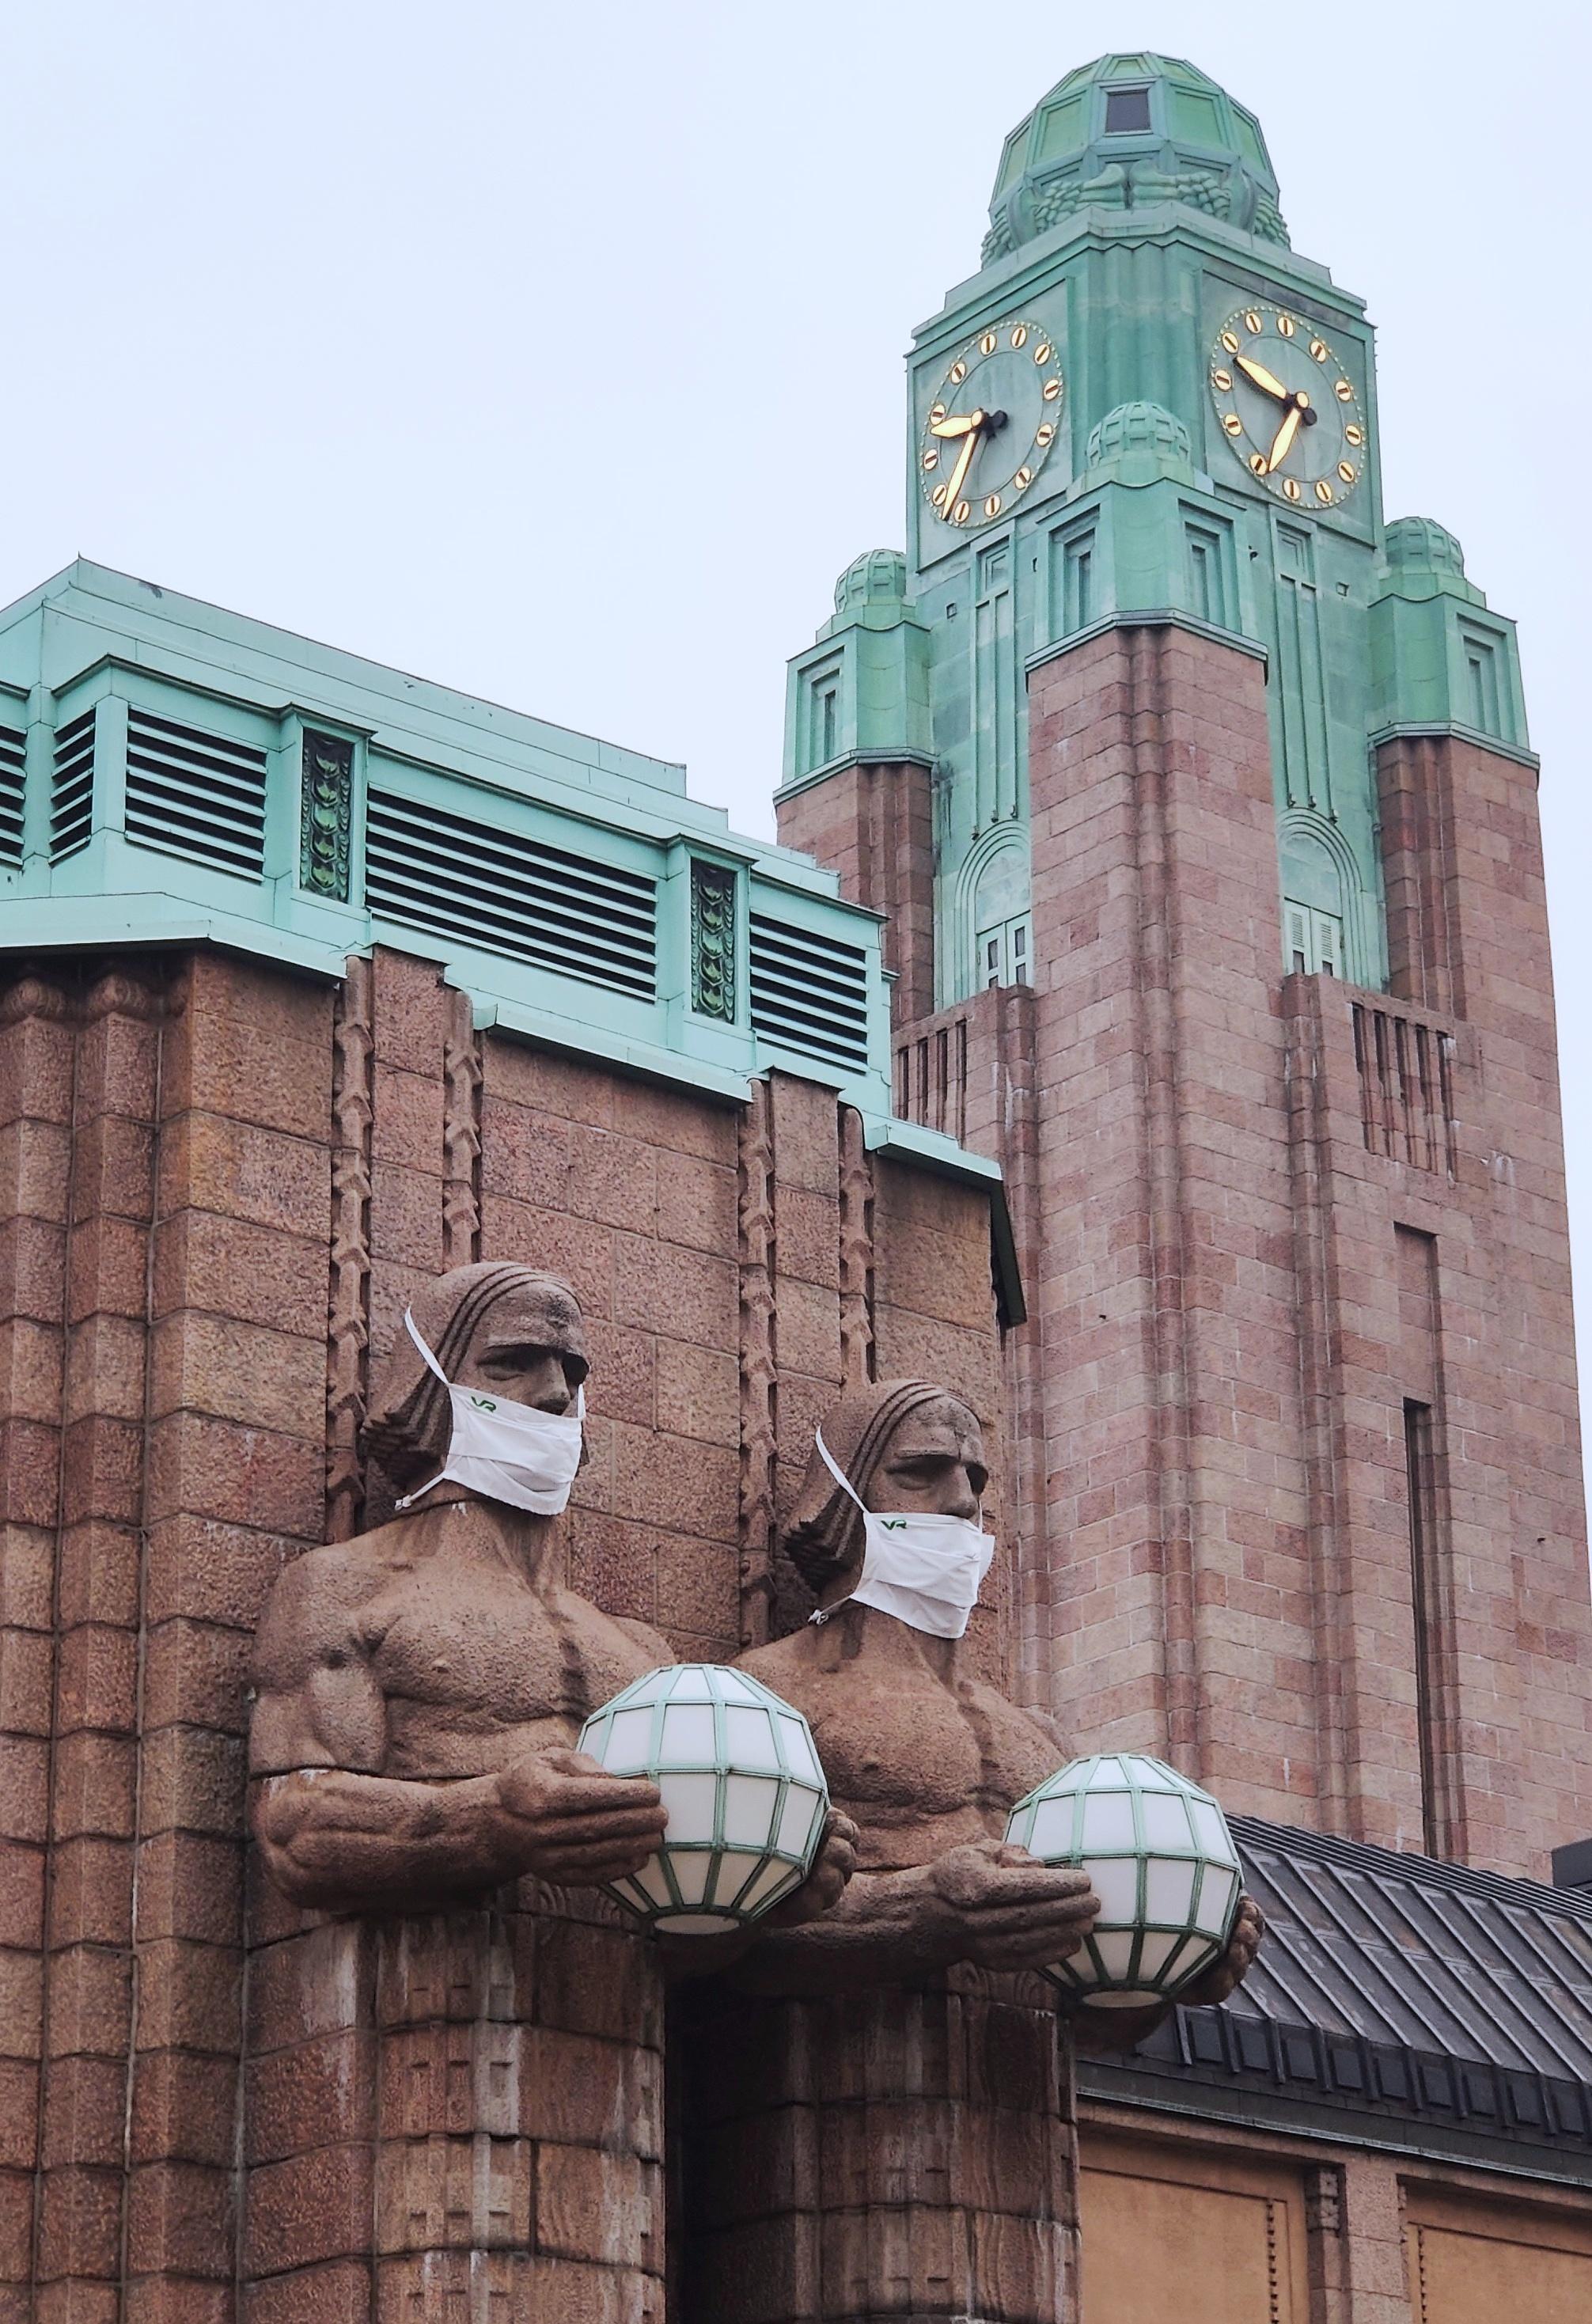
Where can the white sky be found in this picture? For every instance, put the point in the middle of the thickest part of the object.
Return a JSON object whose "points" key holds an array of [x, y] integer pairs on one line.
{"points": [[556, 352]]}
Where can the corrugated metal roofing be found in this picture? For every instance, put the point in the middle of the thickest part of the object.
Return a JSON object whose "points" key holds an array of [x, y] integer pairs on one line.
{"points": [[1426, 2005]]}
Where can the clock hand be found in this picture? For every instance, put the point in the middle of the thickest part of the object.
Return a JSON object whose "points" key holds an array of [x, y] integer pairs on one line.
{"points": [[959, 424], [969, 446], [1264, 379], [1282, 442]]}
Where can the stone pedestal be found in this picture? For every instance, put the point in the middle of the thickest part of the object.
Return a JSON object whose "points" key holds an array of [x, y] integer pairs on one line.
{"points": [[908, 2154]]}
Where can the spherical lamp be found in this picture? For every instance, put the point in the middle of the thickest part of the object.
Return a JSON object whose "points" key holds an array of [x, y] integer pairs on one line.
{"points": [[745, 1794], [1162, 1861]]}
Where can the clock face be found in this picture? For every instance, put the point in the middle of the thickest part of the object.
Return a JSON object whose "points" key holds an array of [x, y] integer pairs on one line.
{"points": [[992, 423], [1288, 407]]}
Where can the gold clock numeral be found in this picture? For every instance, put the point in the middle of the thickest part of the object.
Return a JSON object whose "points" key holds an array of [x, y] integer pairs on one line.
{"points": [[1291, 488], [930, 458], [993, 505], [1229, 340], [1343, 391], [1021, 335], [961, 512], [1022, 480], [1323, 491], [1044, 434], [938, 496], [1320, 349], [936, 414], [1257, 462], [1044, 352], [987, 344], [1232, 423], [1286, 325], [1348, 471], [1051, 389], [1252, 320], [1222, 381], [1353, 435], [957, 373]]}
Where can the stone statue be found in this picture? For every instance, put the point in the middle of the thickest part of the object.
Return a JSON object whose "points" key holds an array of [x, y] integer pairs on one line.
{"points": [[419, 1689], [909, 2014], [919, 1752]]}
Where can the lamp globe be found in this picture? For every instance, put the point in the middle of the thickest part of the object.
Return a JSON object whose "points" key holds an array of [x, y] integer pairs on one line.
{"points": [[741, 1780], [1162, 1861]]}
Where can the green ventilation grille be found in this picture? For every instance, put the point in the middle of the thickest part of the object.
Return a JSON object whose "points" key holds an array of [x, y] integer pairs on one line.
{"points": [[491, 888], [195, 794], [13, 747], [71, 798], [809, 992]]}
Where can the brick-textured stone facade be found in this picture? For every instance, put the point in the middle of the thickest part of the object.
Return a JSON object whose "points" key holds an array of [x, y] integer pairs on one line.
{"points": [[222, 1185], [1295, 1456], [874, 823]]}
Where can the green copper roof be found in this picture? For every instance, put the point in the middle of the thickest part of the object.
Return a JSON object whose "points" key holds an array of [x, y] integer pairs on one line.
{"points": [[1131, 132], [172, 773]]}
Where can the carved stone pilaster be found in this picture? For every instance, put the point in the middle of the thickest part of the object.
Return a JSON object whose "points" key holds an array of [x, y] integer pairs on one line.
{"points": [[713, 940], [461, 1135], [325, 815], [759, 1372], [856, 1253], [348, 1310]]}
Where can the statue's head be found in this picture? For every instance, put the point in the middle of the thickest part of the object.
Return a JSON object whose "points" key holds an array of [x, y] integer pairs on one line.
{"points": [[509, 1329], [904, 1445]]}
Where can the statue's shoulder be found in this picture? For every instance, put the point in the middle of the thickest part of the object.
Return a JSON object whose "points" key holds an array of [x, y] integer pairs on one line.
{"points": [[783, 1663]]}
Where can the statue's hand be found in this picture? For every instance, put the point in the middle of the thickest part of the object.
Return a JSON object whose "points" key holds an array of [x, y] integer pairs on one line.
{"points": [[1230, 1970], [833, 1867], [992, 1903], [571, 1823]]}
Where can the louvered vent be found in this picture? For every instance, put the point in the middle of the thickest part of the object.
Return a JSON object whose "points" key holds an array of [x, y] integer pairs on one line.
{"points": [[488, 888], [13, 747], [809, 992], [194, 794], [71, 800]]}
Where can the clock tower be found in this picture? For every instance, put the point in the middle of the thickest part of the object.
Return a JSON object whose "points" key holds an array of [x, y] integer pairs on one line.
{"points": [[1199, 798]]}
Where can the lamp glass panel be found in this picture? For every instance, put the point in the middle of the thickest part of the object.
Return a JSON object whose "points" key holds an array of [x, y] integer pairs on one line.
{"points": [[1053, 1827], [772, 1881], [1169, 1891], [733, 1688], [750, 1805], [652, 1884], [628, 1739], [1216, 1899], [1155, 1955], [691, 1867], [1150, 1775], [691, 1802], [1167, 1821], [691, 1924], [735, 1870], [1211, 1831], [798, 1751], [1108, 1819], [1115, 1948], [687, 1736], [1116, 1884], [748, 1739], [1107, 1773], [692, 1684], [796, 1822]]}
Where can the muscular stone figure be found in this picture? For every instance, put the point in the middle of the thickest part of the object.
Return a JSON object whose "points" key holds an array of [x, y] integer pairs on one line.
{"points": [[963, 2064]]}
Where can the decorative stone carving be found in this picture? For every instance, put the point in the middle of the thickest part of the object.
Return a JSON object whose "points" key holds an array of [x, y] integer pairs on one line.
{"points": [[349, 1291], [326, 813], [713, 940], [758, 1371]]}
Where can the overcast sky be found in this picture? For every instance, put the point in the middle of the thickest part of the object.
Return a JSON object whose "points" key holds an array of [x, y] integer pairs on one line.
{"points": [[556, 353]]}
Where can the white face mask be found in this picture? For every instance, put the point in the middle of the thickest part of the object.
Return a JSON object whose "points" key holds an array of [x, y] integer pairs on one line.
{"points": [[506, 1451], [924, 1570]]}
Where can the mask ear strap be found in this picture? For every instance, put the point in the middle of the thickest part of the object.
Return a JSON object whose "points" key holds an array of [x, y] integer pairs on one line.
{"points": [[431, 1362], [837, 1473]]}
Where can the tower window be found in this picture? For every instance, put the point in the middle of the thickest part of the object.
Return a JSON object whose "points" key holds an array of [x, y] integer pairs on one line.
{"points": [[1313, 941], [1126, 109], [1003, 953]]}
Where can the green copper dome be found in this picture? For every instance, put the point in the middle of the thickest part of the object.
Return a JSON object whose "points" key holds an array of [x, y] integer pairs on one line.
{"points": [[1131, 132]]}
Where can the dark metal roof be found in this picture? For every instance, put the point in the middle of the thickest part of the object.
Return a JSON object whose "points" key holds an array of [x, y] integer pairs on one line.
{"points": [[1396, 2001]]}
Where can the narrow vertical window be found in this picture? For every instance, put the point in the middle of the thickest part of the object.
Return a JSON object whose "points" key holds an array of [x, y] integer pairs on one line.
{"points": [[1422, 1498], [829, 726]]}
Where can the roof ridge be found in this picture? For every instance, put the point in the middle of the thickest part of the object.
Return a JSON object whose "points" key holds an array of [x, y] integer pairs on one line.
{"points": [[1426, 1871]]}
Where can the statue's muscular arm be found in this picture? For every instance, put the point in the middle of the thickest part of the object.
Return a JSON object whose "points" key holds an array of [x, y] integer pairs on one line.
{"points": [[336, 1832]]}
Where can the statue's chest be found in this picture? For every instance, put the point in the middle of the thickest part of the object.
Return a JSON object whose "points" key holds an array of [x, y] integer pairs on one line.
{"points": [[885, 1745], [472, 1643]]}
